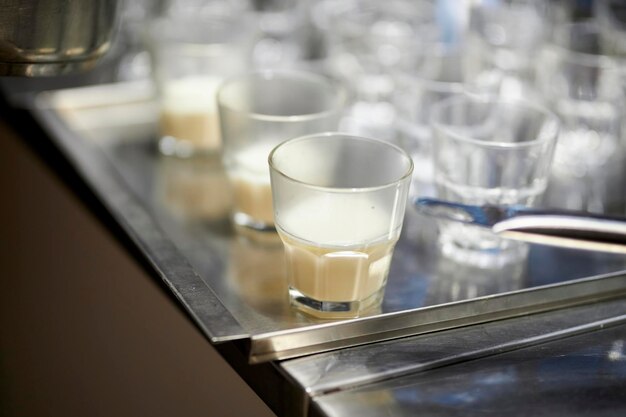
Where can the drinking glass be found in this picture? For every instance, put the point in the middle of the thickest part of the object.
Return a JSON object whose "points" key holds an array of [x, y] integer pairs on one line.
{"points": [[193, 55], [580, 82], [503, 38], [489, 150], [365, 39], [258, 111], [423, 79], [339, 203]]}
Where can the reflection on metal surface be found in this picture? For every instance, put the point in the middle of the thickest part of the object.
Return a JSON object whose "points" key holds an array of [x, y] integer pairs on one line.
{"points": [[194, 188], [257, 273], [459, 281], [349, 368], [573, 376], [413, 297], [617, 352]]}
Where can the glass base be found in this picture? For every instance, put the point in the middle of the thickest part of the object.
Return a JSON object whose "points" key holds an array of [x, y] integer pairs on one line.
{"points": [[484, 258], [477, 246], [336, 309]]}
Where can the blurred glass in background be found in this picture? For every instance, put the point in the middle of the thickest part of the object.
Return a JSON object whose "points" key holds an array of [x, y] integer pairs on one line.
{"points": [[398, 58]]}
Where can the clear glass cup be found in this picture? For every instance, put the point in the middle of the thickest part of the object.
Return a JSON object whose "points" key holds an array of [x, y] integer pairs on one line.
{"points": [[503, 38], [423, 79], [580, 81], [192, 56], [257, 112], [339, 203], [364, 40], [489, 150]]}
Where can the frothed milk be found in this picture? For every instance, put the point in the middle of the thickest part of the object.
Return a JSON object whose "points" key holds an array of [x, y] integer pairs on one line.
{"points": [[189, 111], [351, 262], [249, 173]]}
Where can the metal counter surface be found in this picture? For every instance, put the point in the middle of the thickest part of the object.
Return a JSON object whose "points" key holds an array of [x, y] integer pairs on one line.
{"points": [[580, 375], [235, 288], [353, 368]]}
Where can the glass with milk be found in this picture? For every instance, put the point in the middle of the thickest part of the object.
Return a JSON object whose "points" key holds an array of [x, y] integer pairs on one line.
{"points": [[257, 112], [192, 57], [339, 203]]}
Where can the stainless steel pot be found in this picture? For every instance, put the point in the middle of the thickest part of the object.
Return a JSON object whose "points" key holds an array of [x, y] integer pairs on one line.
{"points": [[52, 37]]}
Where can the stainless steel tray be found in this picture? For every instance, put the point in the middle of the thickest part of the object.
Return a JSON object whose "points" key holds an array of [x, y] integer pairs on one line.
{"points": [[175, 211]]}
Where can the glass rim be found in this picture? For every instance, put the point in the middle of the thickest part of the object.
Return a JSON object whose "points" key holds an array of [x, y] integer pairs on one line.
{"points": [[344, 190], [267, 74], [440, 106]]}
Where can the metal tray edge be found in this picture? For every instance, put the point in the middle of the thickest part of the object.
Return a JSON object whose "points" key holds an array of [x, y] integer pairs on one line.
{"points": [[333, 335]]}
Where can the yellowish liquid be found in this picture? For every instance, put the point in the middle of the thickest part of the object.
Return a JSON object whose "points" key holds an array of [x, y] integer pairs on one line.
{"points": [[200, 129], [250, 178], [253, 198], [189, 112], [327, 273], [338, 248]]}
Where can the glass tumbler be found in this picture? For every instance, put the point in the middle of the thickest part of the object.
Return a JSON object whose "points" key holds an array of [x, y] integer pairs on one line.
{"points": [[503, 38], [339, 203], [580, 77], [257, 112], [192, 56], [489, 150], [422, 80]]}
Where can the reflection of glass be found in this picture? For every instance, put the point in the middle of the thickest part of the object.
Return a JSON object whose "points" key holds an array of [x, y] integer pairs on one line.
{"points": [[194, 188], [192, 56], [489, 151], [257, 274], [457, 281], [339, 204], [260, 110], [581, 83]]}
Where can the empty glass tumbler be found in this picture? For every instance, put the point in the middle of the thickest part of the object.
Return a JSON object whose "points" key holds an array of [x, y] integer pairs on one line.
{"points": [[489, 151], [580, 76]]}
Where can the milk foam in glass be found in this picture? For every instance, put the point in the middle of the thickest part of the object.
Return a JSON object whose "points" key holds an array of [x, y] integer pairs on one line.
{"points": [[258, 111], [339, 204]]}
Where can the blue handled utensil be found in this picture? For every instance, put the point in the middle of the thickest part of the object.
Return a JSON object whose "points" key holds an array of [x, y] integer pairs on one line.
{"points": [[566, 228]]}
